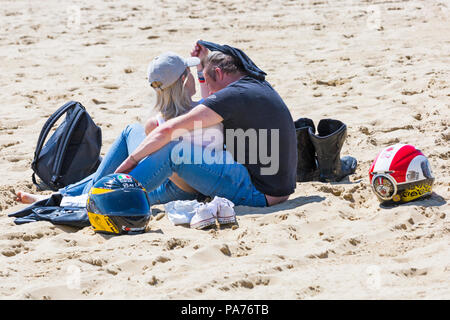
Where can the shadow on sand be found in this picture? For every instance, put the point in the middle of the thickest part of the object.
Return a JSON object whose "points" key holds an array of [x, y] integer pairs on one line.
{"points": [[433, 200], [287, 205]]}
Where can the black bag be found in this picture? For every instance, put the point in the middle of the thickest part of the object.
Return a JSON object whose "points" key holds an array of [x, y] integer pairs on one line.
{"points": [[49, 210], [72, 152]]}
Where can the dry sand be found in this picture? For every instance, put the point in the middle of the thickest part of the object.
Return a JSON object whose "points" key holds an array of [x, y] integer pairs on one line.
{"points": [[382, 67]]}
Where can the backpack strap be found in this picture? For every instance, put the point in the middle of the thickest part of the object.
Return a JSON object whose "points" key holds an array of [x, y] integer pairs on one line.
{"points": [[33, 178], [63, 146]]}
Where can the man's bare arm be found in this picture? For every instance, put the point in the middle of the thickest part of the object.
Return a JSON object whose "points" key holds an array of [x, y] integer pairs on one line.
{"points": [[168, 131]]}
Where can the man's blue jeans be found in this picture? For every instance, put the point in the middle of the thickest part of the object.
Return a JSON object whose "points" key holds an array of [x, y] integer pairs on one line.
{"points": [[228, 178]]}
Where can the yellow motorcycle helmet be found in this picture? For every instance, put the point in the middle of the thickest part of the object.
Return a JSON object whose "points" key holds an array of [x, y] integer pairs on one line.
{"points": [[118, 204]]}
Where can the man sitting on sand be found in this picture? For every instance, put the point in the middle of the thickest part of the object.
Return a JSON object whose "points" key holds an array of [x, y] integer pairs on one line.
{"points": [[261, 170], [243, 102]]}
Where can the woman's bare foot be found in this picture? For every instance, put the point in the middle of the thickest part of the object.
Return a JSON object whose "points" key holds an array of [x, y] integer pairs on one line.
{"points": [[28, 198]]}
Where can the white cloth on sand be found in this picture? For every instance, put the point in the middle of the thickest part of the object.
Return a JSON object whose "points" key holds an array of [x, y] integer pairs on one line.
{"points": [[182, 211]]}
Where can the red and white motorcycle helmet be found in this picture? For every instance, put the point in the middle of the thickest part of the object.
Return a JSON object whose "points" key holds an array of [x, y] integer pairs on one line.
{"points": [[401, 173]]}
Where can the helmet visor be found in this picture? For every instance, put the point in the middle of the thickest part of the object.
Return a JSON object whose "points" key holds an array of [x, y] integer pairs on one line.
{"points": [[384, 186], [121, 202]]}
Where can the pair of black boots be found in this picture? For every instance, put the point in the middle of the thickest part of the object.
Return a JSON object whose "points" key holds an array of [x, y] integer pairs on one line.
{"points": [[319, 154]]}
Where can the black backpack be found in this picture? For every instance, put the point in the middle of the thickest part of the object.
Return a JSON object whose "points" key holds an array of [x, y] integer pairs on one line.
{"points": [[72, 152]]}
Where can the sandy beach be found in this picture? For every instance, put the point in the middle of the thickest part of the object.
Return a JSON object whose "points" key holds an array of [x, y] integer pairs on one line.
{"points": [[381, 67]]}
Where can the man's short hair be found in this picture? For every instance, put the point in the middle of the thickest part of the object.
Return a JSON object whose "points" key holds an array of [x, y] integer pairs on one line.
{"points": [[228, 64]]}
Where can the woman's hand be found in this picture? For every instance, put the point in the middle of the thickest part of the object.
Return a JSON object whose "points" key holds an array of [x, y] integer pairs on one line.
{"points": [[200, 52], [150, 125], [129, 164]]}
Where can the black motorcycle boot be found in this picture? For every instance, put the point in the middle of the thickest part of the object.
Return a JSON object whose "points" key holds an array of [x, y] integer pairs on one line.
{"points": [[306, 165], [328, 144]]}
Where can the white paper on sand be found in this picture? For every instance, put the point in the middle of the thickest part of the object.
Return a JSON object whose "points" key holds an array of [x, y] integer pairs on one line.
{"points": [[75, 201]]}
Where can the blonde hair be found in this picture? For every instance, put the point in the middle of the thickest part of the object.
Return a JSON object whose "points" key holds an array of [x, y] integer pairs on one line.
{"points": [[174, 100]]}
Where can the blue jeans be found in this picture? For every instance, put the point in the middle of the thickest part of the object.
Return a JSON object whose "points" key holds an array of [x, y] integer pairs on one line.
{"points": [[229, 180]]}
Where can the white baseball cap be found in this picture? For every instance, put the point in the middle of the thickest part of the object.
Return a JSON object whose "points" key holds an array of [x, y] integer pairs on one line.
{"points": [[168, 67]]}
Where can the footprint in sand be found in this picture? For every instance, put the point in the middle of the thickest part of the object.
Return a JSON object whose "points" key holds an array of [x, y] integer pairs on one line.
{"points": [[113, 269], [175, 243], [445, 136], [9, 144], [336, 191], [160, 259], [14, 249], [365, 131], [411, 272], [111, 86], [26, 40], [411, 92], [132, 106], [97, 262], [243, 283], [153, 281], [319, 255], [15, 159], [311, 291], [98, 101], [407, 127], [225, 250]]}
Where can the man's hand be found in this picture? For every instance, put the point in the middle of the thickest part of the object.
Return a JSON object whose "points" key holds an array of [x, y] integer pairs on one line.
{"points": [[125, 167], [200, 52]]}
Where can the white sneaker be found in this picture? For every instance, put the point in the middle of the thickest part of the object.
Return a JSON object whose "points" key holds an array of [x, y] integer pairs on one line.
{"points": [[225, 211], [204, 216]]}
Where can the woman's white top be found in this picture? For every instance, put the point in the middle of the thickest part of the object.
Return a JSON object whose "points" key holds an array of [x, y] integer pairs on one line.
{"points": [[211, 137]]}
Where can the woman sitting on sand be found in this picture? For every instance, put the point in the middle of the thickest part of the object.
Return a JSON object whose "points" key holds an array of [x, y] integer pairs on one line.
{"points": [[170, 76]]}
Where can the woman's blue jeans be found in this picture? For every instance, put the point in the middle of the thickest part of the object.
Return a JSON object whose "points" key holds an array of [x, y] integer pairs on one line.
{"points": [[209, 173]]}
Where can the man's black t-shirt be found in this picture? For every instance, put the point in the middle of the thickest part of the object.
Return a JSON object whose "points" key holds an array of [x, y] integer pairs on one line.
{"points": [[253, 112]]}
